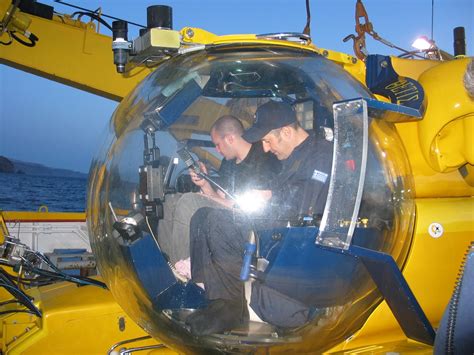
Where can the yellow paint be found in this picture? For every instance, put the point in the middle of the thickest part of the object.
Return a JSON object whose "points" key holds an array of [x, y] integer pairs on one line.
{"points": [[412, 68], [24, 216], [405, 347], [431, 271], [444, 143], [16, 20], [428, 181], [3, 229], [76, 320]]}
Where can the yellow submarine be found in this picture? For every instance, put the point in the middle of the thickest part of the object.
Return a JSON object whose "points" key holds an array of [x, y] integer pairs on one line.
{"points": [[376, 269]]}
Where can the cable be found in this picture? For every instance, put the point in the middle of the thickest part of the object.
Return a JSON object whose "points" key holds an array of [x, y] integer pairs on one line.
{"points": [[37, 284], [8, 302], [10, 41], [11, 287], [61, 17], [65, 277], [20, 272], [93, 16], [29, 282], [57, 273], [17, 311], [7, 278], [211, 181], [15, 291], [104, 15], [31, 37]]}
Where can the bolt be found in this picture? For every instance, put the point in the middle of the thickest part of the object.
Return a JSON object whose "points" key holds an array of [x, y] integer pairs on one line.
{"points": [[121, 324], [354, 60], [190, 32], [325, 53], [384, 64], [276, 236]]}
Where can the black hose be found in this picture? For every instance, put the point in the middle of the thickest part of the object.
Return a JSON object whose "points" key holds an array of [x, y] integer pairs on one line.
{"points": [[32, 39]]}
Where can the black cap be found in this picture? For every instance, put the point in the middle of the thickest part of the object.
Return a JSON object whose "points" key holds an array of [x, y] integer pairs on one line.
{"points": [[269, 116]]}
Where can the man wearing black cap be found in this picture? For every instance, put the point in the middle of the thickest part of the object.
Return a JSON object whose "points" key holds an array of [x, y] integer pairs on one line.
{"points": [[218, 239]]}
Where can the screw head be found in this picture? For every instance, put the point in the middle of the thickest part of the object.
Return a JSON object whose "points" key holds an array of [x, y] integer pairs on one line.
{"points": [[190, 32]]}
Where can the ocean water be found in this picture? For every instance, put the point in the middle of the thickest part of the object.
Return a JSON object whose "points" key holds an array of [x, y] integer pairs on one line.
{"points": [[28, 193]]}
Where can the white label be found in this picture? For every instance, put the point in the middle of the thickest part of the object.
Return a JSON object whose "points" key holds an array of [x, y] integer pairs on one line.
{"points": [[319, 176]]}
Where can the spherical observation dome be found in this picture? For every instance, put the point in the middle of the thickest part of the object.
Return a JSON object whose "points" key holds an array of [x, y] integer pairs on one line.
{"points": [[140, 181]]}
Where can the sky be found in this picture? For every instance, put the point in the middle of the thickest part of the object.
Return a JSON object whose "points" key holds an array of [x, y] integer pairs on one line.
{"points": [[52, 124]]}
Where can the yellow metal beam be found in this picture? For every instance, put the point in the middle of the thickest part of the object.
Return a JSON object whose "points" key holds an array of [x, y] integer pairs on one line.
{"points": [[72, 53]]}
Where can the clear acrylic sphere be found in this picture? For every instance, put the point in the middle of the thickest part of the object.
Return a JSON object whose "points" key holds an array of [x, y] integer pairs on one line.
{"points": [[131, 179]]}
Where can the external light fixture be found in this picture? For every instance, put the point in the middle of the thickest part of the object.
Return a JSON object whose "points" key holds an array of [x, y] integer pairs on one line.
{"points": [[422, 43]]}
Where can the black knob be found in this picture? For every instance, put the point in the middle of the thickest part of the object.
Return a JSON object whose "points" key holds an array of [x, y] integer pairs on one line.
{"points": [[160, 16], [120, 29], [459, 41]]}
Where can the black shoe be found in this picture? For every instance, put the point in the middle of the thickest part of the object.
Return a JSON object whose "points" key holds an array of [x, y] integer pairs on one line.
{"points": [[219, 316]]}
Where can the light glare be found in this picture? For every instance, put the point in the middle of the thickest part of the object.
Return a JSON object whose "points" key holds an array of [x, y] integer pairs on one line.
{"points": [[250, 202], [422, 43]]}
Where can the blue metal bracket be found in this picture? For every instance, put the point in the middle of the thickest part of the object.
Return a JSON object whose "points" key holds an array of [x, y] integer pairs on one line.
{"points": [[394, 288], [398, 295]]}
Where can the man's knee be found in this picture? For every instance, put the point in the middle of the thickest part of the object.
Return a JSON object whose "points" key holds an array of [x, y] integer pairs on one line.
{"points": [[185, 207], [225, 237], [200, 216]]}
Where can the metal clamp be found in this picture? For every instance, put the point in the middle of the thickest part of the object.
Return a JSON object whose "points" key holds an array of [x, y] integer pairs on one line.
{"points": [[287, 36]]}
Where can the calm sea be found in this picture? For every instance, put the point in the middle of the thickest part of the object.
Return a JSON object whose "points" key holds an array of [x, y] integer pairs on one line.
{"points": [[27, 193]]}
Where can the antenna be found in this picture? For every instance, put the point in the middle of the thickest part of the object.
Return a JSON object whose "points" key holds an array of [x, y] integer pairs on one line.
{"points": [[307, 30], [432, 19]]}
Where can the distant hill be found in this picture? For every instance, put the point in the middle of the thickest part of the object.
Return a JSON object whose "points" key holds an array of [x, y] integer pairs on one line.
{"points": [[22, 167], [6, 166]]}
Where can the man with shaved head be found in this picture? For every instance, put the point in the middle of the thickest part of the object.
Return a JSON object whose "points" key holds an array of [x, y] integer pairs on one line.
{"points": [[245, 166]]}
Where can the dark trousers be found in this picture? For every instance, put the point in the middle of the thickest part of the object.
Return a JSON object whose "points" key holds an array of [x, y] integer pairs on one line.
{"points": [[217, 243]]}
